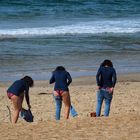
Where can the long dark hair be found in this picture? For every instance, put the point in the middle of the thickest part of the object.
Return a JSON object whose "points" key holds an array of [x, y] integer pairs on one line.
{"points": [[28, 80], [60, 68], [107, 62]]}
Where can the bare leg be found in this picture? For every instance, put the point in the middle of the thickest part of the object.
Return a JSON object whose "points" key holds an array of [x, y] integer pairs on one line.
{"points": [[17, 103], [67, 102]]}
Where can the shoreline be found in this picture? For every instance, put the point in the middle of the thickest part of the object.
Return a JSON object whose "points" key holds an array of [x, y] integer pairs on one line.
{"points": [[88, 80], [43, 76]]}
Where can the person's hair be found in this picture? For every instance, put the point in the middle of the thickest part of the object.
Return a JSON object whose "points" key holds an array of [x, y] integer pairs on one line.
{"points": [[107, 62], [60, 68], [28, 80]]}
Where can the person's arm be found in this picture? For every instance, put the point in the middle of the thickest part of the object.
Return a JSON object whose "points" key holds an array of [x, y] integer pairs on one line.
{"points": [[114, 78], [69, 79], [52, 80], [98, 78], [27, 96]]}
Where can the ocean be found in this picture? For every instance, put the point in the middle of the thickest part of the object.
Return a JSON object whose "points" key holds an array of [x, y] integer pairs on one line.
{"points": [[38, 35]]}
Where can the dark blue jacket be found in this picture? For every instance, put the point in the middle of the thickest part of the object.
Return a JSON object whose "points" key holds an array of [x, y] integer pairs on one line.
{"points": [[106, 77], [62, 80], [18, 87]]}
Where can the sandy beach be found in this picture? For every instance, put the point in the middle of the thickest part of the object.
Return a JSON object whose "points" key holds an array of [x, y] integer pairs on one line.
{"points": [[122, 124]]}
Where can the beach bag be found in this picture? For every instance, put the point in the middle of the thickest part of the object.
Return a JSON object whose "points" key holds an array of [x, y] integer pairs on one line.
{"points": [[27, 115]]}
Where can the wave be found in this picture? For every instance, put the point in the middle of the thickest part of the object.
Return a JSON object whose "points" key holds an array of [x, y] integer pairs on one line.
{"points": [[96, 27]]}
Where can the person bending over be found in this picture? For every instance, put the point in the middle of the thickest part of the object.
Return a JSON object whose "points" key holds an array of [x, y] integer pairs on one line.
{"points": [[16, 94]]}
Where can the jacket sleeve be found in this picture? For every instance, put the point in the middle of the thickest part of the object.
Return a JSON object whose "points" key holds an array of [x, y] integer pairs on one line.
{"points": [[52, 80], [98, 77], [69, 79], [114, 78], [27, 95]]}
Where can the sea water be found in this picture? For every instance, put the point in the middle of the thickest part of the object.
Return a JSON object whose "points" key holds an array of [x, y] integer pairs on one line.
{"points": [[36, 36]]}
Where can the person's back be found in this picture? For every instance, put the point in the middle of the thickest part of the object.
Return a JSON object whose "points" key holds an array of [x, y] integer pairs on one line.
{"points": [[62, 80], [107, 77], [17, 87]]}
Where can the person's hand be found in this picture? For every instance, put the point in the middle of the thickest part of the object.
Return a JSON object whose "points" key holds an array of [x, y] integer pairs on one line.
{"points": [[98, 88], [29, 106], [111, 90]]}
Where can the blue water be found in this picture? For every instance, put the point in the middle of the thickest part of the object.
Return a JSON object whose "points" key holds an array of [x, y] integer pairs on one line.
{"points": [[36, 36]]}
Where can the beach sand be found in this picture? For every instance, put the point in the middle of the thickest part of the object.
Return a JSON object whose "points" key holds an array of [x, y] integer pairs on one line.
{"points": [[122, 124]]}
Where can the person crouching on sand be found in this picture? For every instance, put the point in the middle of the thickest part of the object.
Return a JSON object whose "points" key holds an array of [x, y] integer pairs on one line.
{"points": [[106, 80], [62, 80], [16, 94]]}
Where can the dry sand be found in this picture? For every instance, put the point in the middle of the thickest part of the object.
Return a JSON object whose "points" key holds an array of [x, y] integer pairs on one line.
{"points": [[122, 124]]}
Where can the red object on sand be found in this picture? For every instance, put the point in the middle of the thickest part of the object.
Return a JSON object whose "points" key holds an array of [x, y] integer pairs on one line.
{"points": [[93, 114]]}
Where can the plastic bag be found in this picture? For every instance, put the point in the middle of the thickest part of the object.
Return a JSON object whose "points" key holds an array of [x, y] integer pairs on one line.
{"points": [[27, 115]]}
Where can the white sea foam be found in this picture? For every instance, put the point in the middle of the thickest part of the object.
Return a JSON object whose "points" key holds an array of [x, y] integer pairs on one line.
{"points": [[97, 27]]}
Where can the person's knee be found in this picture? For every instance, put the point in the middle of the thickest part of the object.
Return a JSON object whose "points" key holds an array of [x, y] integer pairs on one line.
{"points": [[67, 107]]}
